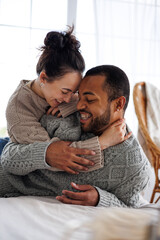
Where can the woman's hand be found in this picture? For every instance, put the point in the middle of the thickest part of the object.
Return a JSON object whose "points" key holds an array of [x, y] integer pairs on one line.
{"points": [[54, 111], [62, 156], [114, 134]]}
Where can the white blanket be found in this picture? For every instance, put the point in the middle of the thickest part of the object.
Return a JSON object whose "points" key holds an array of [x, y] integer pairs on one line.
{"points": [[153, 117], [44, 218], [153, 112]]}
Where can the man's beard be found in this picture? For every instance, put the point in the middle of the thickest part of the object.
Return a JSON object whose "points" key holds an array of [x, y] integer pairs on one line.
{"points": [[99, 124]]}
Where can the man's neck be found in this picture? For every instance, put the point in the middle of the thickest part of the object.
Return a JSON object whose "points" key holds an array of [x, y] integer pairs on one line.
{"points": [[102, 129]]}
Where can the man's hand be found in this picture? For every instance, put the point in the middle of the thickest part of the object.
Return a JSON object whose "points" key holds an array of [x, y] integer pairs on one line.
{"points": [[88, 195], [60, 155]]}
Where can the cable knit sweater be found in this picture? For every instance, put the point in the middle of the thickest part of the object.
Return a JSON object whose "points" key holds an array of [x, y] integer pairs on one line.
{"points": [[24, 111], [125, 173]]}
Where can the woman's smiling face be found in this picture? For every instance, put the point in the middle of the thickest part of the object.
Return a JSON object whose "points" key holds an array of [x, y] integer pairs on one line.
{"points": [[62, 89]]}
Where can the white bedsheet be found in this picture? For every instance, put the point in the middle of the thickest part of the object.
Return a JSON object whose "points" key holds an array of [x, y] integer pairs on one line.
{"points": [[40, 218]]}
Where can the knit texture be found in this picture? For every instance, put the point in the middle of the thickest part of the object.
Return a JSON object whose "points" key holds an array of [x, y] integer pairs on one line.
{"points": [[67, 109], [24, 111], [125, 173], [69, 129]]}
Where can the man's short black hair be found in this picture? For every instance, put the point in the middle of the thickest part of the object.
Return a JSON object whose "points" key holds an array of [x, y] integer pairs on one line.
{"points": [[116, 81]]}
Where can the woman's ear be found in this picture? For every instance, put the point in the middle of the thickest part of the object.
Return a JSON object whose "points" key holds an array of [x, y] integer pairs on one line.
{"points": [[42, 77], [119, 103]]}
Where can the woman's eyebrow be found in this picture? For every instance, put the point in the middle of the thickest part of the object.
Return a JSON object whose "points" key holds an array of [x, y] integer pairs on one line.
{"points": [[67, 89]]}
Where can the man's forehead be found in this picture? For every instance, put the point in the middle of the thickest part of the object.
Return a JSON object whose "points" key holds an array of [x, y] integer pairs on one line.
{"points": [[92, 84]]}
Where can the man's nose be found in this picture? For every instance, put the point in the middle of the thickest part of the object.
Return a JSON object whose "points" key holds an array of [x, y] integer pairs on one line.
{"points": [[81, 105]]}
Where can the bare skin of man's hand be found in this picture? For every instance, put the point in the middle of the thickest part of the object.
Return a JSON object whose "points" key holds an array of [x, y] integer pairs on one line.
{"points": [[88, 195], [60, 155]]}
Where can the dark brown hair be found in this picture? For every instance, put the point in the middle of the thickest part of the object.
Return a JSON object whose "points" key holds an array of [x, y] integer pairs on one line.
{"points": [[116, 81], [60, 54]]}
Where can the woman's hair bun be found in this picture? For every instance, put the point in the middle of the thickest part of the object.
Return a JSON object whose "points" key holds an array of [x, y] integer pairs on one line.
{"points": [[61, 40]]}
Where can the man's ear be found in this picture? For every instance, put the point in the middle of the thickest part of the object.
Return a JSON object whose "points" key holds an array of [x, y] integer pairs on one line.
{"points": [[119, 103]]}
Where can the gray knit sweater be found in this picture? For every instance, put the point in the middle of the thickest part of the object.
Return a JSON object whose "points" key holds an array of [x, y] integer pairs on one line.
{"points": [[125, 173]]}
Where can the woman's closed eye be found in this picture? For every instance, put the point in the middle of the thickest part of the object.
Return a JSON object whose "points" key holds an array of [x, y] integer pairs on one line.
{"points": [[65, 92]]}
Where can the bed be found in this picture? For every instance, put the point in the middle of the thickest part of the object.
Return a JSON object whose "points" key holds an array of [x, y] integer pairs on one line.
{"points": [[24, 218]]}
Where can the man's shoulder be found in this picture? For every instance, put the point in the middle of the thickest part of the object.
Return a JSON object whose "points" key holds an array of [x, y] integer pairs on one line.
{"points": [[129, 149]]}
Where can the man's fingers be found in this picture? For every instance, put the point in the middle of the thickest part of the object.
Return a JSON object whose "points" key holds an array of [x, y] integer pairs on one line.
{"points": [[66, 200], [81, 151], [74, 195], [78, 167], [81, 187], [88, 197], [70, 171], [82, 162]]}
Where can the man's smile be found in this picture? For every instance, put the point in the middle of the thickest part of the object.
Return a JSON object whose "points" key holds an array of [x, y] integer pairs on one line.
{"points": [[84, 116]]}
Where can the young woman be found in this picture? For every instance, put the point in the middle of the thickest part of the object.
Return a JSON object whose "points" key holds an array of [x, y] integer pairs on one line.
{"points": [[59, 71]]}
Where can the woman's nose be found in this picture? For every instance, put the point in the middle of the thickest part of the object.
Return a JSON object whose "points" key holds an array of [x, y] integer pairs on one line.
{"points": [[67, 99]]}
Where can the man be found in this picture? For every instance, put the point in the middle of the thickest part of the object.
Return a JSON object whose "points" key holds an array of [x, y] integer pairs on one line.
{"points": [[103, 99]]}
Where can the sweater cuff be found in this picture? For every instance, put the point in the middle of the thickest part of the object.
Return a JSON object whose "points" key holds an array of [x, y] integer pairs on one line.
{"points": [[94, 145], [104, 198], [54, 169], [39, 155], [68, 108]]}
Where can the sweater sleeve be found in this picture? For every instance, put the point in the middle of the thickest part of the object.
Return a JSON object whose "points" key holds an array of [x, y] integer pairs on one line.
{"points": [[68, 129], [107, 199], [29, 133], [21, 159], [68, 108], [93, 144]]}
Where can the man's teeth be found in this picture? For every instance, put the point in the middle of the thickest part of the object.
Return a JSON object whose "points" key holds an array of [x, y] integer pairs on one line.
{"points": [[85, 116]]}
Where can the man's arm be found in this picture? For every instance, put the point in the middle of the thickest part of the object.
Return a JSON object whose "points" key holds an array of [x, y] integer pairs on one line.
{"points": [[69, 129], [21, 159], [89, 196], [127, 191]]}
